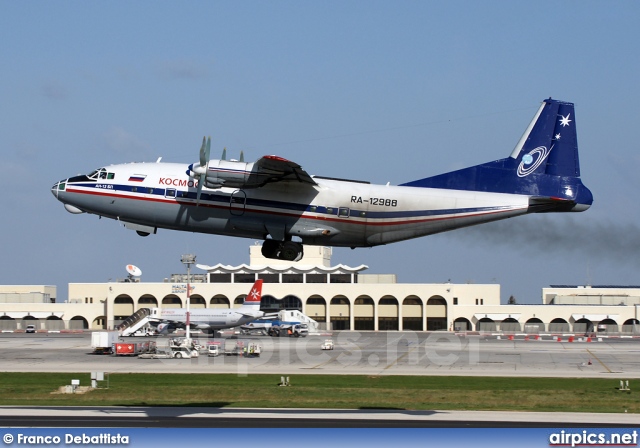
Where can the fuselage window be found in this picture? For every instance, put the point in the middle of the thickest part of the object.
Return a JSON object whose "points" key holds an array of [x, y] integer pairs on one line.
{"points": [[330, 210], [111, 175], [171, 193], [150, 191], [134, 189]]}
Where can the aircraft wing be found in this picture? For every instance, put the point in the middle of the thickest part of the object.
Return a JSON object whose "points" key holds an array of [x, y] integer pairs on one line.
{"points": [[251, 314], [279, 169]]}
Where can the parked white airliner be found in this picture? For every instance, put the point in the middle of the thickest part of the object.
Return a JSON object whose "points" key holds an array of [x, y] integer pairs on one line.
{"points": [[275, 200], [210, 319]]}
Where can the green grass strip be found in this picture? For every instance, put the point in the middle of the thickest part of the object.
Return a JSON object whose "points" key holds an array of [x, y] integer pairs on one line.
{"points": [[326, 391]]}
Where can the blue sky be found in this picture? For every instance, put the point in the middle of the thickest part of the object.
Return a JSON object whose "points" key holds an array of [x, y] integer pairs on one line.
{"points": [[384, 91]]}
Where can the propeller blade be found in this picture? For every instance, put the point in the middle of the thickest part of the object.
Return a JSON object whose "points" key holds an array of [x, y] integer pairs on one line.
{"points": [[203, 156], [242, 156], [204, 162], [200, 183], [224, 154]]}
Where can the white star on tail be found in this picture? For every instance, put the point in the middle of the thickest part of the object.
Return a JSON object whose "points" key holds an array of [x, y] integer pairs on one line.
{"points": [[565, 120]]}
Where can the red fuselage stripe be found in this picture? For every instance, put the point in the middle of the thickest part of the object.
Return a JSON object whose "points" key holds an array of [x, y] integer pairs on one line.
{"points": [[349, 220]]}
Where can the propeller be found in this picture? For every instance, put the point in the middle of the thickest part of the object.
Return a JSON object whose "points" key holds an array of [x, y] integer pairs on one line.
{"points": [[224, 155], [204, 165]]}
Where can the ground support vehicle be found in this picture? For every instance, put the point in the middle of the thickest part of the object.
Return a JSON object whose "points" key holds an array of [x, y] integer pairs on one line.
{"points": [[272, 324], [295, 330], [213, 350], [184, 348], [146, 331], [184, 352], [327, 345], [233, 347], [253, 350], [103, 342], [134, 348]]}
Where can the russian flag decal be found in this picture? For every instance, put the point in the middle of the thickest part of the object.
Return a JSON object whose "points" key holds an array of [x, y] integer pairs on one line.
{"points": [[137, 178]]}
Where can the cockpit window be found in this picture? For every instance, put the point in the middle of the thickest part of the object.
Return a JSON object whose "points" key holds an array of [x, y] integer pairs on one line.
{"points": [[101, 173]]}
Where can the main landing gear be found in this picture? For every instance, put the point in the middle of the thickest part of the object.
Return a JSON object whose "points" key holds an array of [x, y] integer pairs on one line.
{"points": [[282, 250]]}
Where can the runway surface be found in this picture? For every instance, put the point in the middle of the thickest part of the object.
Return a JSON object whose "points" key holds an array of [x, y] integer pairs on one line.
{"points": [[366, 353], [185, 417]]}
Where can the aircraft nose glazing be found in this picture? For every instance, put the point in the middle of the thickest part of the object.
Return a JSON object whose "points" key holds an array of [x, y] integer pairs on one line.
{"points": [[58, 186]]}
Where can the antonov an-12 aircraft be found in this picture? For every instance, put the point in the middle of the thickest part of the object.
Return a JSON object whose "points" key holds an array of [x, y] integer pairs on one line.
{"points": [[275, 200]]}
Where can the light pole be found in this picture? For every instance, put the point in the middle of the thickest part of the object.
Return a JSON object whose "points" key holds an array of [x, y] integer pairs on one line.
{"points": [[188, 259]]}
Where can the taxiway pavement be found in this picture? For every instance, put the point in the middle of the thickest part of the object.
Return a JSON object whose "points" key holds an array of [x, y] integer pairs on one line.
{"points": [[366, 353]]}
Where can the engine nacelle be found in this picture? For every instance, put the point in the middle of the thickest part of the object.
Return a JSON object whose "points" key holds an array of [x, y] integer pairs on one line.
{"points": [[237, 174], [232, 174]]}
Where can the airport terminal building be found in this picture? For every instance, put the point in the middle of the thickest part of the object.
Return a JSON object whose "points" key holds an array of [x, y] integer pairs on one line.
{"points": [[338, 297]]}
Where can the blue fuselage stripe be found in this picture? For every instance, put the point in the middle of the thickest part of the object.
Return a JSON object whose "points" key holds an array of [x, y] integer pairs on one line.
{"points": [[219, 200]]}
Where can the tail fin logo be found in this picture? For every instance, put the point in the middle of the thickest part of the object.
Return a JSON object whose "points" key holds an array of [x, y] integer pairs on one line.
{"points": [[255, 295], [531, 161]]}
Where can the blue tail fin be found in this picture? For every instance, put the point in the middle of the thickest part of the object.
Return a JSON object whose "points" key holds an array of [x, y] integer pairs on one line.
{"points": [[551, 145], [544, 164]]}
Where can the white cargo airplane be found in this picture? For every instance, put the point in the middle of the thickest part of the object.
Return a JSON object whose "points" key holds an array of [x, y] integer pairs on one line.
{"points": [[275, 200], [209, 319]]}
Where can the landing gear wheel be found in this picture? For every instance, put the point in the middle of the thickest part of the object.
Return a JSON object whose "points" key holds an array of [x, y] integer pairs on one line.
{"points": [[270, 248], [178, 355], [290, 251]]}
